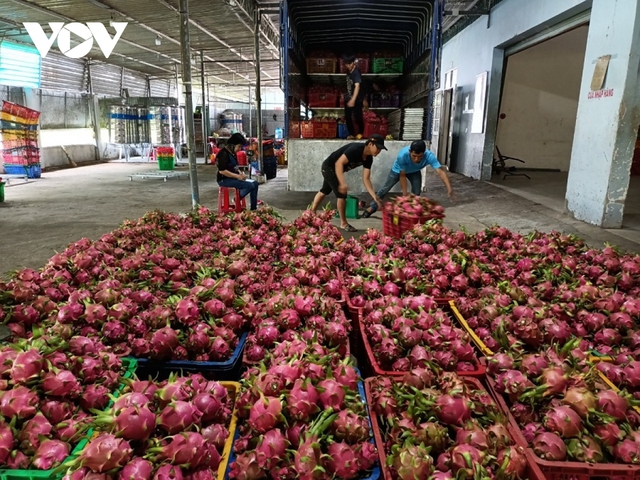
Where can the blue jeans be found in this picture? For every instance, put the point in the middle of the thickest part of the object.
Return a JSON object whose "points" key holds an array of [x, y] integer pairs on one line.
{"points": [[415, 179], [245, 187]]}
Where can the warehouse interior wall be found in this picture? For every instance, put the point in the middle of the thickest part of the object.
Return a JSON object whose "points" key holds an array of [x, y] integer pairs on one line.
{"points": [[540, 101], [479, 49]]}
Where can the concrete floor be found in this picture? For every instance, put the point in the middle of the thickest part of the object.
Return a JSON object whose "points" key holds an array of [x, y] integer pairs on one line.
{"points": [[549, 189], [43, 216]]}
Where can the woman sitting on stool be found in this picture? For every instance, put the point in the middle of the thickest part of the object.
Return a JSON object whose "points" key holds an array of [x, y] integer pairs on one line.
{"points": [[228, 174]]}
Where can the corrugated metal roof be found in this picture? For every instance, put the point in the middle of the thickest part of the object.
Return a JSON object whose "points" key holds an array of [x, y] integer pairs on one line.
{"points": [[222, 29]]}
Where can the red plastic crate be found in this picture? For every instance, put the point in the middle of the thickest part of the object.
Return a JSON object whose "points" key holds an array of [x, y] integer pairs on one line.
{"points": [[294, 129], [533, 470], [566, 470], [363, 64], [371, 127], [397, 226], [321, 65], [324, 129], [323, 100], [377, 369]]}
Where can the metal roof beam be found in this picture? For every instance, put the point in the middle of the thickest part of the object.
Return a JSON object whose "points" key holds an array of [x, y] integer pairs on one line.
{"points": [[25, 3], [270, 33], [210, 34]]}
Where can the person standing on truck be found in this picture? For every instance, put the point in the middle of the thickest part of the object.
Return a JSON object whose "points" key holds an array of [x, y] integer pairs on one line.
{"points": [[408, 166], [348, 157], [354, 98]]}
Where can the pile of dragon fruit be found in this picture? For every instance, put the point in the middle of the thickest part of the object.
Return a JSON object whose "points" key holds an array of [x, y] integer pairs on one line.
{"points": [[443, 426], [300, 315], [49, 398], [303, 419], [172, 429], [413, 331], [564, 409], [415, 206]]}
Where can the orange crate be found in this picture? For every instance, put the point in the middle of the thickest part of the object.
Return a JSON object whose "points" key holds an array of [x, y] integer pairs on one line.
{"points": [[321, 65], [327, 100], [294, 129]]}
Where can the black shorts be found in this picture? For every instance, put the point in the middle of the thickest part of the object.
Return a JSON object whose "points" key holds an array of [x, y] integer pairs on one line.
{"points": [[331, 183]]}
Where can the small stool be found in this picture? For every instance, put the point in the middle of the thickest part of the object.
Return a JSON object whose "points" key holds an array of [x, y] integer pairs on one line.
{"points": [[224, 204]]}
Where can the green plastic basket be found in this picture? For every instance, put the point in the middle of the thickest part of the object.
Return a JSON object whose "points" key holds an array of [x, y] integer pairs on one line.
{"points": [[388, 65], [1, 192], [130, 366], [352, 207]]}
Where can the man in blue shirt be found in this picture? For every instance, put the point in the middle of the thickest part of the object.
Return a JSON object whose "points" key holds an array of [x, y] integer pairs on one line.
{"points": [[408, 165]]}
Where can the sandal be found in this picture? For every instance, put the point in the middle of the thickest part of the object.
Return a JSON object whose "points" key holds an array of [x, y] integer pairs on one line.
{"points": [[366, 214], [349, 228]]}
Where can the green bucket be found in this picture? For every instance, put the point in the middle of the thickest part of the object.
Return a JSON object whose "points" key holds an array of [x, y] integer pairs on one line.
{"points": [[166, 163], [1, 192]]}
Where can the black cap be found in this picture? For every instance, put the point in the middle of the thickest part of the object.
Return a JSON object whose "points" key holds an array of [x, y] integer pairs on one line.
{"points": [[236, 139], [418, 146], [378, 140]]}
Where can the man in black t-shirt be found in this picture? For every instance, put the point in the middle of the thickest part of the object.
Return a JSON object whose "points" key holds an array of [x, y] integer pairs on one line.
{"points": [[354, 98], [347, 158]]}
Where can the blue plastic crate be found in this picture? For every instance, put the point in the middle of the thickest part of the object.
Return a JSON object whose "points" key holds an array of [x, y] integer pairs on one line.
{"points": [[227, 370], [32, 171], [376, 473], [343, 131]]}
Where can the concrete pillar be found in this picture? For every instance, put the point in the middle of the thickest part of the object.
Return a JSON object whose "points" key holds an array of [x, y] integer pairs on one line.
{"points": [[607, 122]]}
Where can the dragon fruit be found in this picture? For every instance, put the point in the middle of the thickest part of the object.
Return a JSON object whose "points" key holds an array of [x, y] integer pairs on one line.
{"points": [[56, 411], [216, 434], [27, 367], [265, 414], [549, 446], [188, 449], [32, 431], [271, 448], [584, 449], [130, 423], [103, 453], [627, 451], [308, 457], [178, 416], [581, 400], [19, 402], [564, 421], [7, 442], [466, 459], [453, 410], [350, 427], [332, 394], [168, 472], [609, 434], [342, 461], [187, 312], [50, 454], [302, 400], [137, 469], [209, 405], [61, 384], [513, 462], [163, 343], [246, 467], [610, 403]]}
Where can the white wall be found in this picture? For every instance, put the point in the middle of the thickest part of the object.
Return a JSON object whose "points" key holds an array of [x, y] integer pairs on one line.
{"points": [[478, 49], [540, 101]]}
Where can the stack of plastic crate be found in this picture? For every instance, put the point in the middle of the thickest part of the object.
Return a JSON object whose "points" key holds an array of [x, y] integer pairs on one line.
{"points": [[19, 131]]}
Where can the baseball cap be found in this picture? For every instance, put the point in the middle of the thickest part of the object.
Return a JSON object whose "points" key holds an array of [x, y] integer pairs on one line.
{"points": [[418, 146], [378, 140]]}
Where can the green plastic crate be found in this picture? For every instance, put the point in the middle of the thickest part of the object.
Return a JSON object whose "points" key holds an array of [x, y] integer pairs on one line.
{"points": [[388, 65], [352, 207], [166, 163], [1, 192], [130, 366]]}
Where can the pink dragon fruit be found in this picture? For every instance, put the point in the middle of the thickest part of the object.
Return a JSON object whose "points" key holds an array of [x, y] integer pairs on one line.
{"points": [[187, 311], [513, 462], [216, 434], [209, 405], [18, 461], [178, 417], [308, 457], [350, 427], [163, 343], [20, 402], [168, 472], [189, 450], [246, 467], [271, 448], [564, 421], [627, 451], [219, 350], [95, 396], [130, 423], [32, 431], [7, 442], [50, 454], [302, 400], [137, 469], [332, 394], [27, 366], [453, 410], [581, 400], [265, 414], [609, 434], [549, 446], [103, 453], [342, 461], [610, 403], [56, 411], [61, 384]]}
